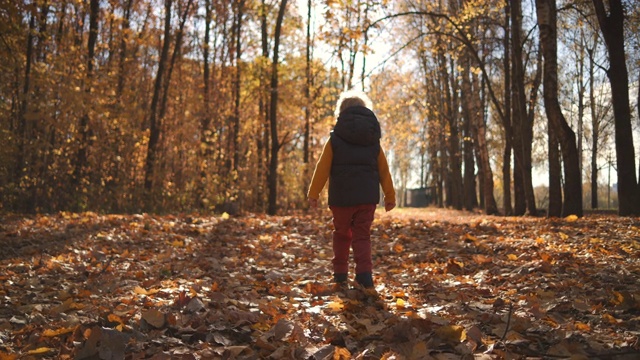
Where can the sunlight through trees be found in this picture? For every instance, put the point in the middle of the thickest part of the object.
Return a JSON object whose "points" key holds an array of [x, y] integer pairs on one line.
{"points": [[222, 106]]}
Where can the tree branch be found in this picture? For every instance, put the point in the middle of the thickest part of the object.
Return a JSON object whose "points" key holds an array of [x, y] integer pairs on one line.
{"points": [[462, 38]]}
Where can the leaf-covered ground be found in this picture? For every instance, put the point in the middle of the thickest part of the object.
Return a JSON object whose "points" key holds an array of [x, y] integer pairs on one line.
{"points": [[449, 286]]}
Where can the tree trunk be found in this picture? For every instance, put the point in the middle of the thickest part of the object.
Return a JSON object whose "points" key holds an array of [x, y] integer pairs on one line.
{"points": [[307, 90], [581, 89], [523, 128], [455, 168], [612, 27], [126, 23], [595, 133], [308, 105], [174, 57], [205, 122], [273, 116], [365, 43], [22, 128], [481, 116], [80, 169], [262, 135], [486, 182], [468, 116], [236, 92], [506, 120], [442, 184], [517, 88], [454, 173], [469, 180], [520, 205], [160, 95], [443, 152], [547, 14], [154, 120], [41, 51], [555, 173]]}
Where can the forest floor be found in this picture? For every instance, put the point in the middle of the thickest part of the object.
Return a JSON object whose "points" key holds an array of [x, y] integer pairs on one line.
{"points": [[449, 285]]}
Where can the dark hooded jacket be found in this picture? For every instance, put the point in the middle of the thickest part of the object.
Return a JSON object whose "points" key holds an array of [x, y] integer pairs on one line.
{"points": [[355, 142]]}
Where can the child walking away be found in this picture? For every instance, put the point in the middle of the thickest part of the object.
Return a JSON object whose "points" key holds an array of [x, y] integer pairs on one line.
{"points": [[355, 165]]}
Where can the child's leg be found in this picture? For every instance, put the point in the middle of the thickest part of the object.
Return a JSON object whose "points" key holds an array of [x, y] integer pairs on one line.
{"points": [[342, 234], [361, 243]]}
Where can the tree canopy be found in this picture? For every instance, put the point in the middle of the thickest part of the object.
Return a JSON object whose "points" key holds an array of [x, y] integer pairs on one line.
{"points": [[223, 106]]}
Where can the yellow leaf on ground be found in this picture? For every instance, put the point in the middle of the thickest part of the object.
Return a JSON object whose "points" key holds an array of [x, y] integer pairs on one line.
{"points": [[452, 334], [140, 291], [341, 353], [39, 351], [335, 306], [582, 326], [571, 218], [115, 318], [61, 331]]}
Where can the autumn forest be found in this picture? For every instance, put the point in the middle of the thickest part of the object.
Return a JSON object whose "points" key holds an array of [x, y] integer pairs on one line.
{"points": [[206, 105], [155, 157]]}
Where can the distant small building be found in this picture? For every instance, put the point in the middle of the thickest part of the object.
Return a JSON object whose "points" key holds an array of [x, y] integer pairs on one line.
{"points": [[420, 197]]}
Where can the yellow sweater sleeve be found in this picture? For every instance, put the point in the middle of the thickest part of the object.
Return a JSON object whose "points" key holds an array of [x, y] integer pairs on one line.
{"points": [[385, 179], [322, 171]]}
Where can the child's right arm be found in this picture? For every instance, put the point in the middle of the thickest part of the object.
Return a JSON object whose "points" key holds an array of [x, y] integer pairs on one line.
{"points": [[321, 174]]}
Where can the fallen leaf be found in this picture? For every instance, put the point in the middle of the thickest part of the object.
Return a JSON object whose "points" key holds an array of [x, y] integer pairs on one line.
{"points": [[400, 304], [58, 332], [582, 326], [451, 334], [283, 329], [154, 318], [341, 353], [335, 306], [140, 291], [571, 218], [40, 351], [5, 356]]}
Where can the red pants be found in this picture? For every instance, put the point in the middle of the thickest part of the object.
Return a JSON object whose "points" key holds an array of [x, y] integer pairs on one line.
{"points": [[352, 228]]}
